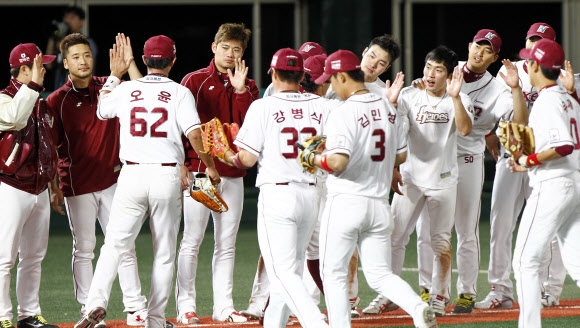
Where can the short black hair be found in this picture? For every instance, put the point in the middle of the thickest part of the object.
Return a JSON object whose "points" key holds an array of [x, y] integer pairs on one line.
{"points": [[357, 75], [549, 73], [77, 11], [308, 83], [389, 44], [290, 76], [158, 63], [445, 56], [15, 71]]}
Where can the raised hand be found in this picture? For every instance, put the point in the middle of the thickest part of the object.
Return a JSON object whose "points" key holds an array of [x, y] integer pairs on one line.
{"points": [[38, 70], [454, 86], [567, 77], [118, 64], [392, 91], [511, 78], [419, 84], [123, 42], [238, 80]]}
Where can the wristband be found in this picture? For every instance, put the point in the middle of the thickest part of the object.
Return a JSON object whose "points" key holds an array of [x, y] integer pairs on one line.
{"points": [[324, 164], [529, 161], [35, 86], [489, 134], [112, 83], [238, 163]]}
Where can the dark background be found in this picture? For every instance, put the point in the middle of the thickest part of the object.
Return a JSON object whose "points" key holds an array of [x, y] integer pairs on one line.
{"points": [[335, 24]]}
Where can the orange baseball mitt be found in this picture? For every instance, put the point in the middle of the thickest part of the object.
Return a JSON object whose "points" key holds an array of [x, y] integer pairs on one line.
{"points": [[215, 141], [203, 191]]}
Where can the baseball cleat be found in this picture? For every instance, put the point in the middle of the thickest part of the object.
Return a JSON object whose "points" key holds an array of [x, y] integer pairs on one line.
{"points": [[169, 324], [354, 302], [425, 295], [464, 304], [550, 300], [6, 324], [189, 318], [137, 318], [380, 305], [101, 324], [92, 319], [438, 302], [253, 312], [230, 316], [426, 318], [495, 300], [36, 321]]}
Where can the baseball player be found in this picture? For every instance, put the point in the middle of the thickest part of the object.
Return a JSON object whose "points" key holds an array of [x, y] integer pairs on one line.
{"points": [[508, 195], [27, 164], [364, 140], [88, 178], [554, 172], [288, 200], [221, 90], [436, 116], [492, 102], [153, 112]]}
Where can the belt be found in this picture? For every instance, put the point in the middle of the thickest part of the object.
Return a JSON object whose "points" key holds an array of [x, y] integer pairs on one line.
{"points": [[162, 164], [287, 183]]}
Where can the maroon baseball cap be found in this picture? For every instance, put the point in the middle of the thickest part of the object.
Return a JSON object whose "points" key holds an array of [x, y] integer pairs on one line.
{"points": [[490, 36], [309, 49], [159, 47], [542, 30], [546, 52], [287, 59], [340, 61], [25, 53], [314, 66]]}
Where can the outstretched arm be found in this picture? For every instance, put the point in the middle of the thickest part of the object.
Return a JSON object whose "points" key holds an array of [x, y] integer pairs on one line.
{"points": [[512, 79], [462, 119]]}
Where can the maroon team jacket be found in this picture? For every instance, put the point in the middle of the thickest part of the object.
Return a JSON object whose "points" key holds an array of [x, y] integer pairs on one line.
{"points": [[35, 162], [215, 97], [88, 154]]}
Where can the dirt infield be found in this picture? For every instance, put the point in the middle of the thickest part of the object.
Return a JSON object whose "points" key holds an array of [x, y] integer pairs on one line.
{"points": [[567, 308]]}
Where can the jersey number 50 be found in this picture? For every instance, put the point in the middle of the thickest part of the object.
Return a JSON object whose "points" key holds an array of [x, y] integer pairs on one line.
{"points": [[142, 123]]}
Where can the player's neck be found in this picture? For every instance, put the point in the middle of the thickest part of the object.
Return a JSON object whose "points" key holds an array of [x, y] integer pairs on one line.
{"points": [[157, 71], [286, 87], [370, 79], [438, 93], [80, 82], [543, 83]]}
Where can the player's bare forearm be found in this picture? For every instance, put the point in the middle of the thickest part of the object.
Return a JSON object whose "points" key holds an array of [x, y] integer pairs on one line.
{"points": [[56, 196], [462, 120], [336, 162], [400, 158], [245, 158], [521, 113], [134, 72], [492, 144]]}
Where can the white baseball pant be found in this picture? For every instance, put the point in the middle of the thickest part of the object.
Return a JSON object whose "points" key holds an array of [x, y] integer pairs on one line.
{"points": [[553, 272], [349, 222], [25, 223], [440, 205], [160, 195], [82, 212], [467, 211], [286, 218], [552, 210], [226, 226]]}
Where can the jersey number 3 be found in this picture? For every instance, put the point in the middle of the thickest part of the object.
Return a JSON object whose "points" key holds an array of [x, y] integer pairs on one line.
{"points": [[294, 138], [142, 123]]}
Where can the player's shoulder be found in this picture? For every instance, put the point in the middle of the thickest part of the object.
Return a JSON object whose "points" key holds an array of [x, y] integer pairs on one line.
{"points": [[409, 92], [196, 76]]}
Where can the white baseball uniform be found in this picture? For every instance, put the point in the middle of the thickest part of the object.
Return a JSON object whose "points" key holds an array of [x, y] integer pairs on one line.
{"points": [[552, 208], [153, 113], [357, 211], [288, 200], [430, 177], [491, 102]]}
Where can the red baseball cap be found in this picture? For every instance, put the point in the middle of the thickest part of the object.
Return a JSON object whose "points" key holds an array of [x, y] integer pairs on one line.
{"points": [[340, 61], [25, 53], [159, 47], [546, 52], [542, 30], [287, 59], [309, 49], [314, 66], [490, 36]]}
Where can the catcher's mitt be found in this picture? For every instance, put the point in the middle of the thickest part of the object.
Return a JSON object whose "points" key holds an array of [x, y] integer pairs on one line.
{"points": [[516, 138], [310, 148], [231, 131], [215, 141], [203, 191]]}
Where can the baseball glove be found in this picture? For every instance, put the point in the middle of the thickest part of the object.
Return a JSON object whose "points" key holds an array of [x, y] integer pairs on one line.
{"points": [[231, 131], [215, 141], [516, 138], [203, 191], [310, 148]]}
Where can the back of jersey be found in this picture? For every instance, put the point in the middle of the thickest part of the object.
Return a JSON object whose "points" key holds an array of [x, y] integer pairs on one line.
{"points": [[365, 129], [153, 113], [271, 129]]}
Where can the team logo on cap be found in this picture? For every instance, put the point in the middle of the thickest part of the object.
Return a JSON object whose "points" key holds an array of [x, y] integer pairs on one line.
{"points": [[490, 36], [542, 29], [24, 58], [307, 48], [335, 64], [539, 53], [274, 60]]}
